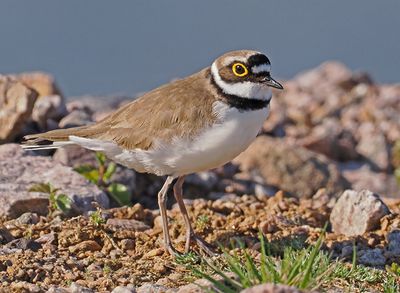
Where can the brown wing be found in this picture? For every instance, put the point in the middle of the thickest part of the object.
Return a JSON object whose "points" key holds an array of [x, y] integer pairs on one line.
{"points": [[181, 108]]}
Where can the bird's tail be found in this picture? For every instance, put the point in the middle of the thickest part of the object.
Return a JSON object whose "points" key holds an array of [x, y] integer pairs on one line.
{"points": [[53, 139]]}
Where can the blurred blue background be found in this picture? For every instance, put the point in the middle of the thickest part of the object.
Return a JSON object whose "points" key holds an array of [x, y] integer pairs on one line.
{"points": [[126, 47]]}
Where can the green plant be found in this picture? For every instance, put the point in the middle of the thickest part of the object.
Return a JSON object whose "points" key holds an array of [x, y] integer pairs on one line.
{"points": [[68, 282], [305, 268], [107, 269], [390, 285], [360, 277], [190, 258], [202, 222], [57, 201], [394, 269], [96, 218], [101, 175]]}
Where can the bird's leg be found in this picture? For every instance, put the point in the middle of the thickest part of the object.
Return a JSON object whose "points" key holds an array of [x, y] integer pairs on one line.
{"points": [[190, 235], [162, 198]]}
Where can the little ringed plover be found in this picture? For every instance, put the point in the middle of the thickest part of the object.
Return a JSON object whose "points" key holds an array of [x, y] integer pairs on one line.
{"points": [[189, 125]]}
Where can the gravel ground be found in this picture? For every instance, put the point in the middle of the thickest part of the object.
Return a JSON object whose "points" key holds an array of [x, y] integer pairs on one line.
{"points": [[127, 249]]}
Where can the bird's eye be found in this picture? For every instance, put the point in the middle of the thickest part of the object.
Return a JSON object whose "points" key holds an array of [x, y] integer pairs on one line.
{"points": [[239, 69]]}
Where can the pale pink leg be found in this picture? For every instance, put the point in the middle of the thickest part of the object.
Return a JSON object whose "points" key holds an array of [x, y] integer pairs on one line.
{"points": [[162, 198], [190, 235]]}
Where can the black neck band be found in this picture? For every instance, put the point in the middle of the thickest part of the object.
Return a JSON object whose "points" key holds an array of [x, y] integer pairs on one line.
{"points": [[242, 104]]}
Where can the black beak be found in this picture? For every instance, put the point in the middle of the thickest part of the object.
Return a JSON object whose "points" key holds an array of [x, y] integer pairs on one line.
{"points": [[268, 80]]}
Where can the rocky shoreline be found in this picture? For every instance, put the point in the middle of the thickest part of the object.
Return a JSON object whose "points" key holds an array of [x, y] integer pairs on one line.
{"points": [[327, 153]]}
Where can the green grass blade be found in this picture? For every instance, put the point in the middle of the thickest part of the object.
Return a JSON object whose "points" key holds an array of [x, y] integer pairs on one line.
{"points": [[311, 261], [232, 282], [233, 262], [219, 285], [253, 271], [295, 269], [267, 264], [111, 168], [263, 270], [354, 258], [270, 265]]}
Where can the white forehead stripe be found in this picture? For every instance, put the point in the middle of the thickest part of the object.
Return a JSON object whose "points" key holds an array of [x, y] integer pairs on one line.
{"points": [[261, 68], [243, 59], [229, 60], [245, 89]]}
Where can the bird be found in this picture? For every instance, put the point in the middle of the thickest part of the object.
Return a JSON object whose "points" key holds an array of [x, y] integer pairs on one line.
{"points": [[189, 125]]}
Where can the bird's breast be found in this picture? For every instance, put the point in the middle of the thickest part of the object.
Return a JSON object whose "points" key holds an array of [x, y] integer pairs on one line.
{"points": [[214, 146]]}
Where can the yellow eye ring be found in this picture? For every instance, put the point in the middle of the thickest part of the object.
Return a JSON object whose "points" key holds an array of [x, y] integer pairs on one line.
{"points": [[239, 69]]}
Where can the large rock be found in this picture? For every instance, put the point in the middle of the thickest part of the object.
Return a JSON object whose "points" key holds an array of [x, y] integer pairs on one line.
{"points": [[16, 104], [76, 118], [329, 138], [356, 213], [361, 176], [330, 72], [50, 106], [97, 107], [41, 82], [48, 110], [20, 170], [74, 156], [291, 168], [373, 147]]}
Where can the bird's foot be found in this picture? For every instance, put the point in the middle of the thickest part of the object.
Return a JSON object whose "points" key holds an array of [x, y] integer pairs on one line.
{"points": [[202, 244], [193, 238], [172, 251]]}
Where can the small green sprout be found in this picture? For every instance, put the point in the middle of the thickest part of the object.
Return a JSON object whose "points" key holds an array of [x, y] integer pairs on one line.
{"points": [[190, 258], [202, 222], [96, 218], [394, 269], [57, 201], [107, 269]]}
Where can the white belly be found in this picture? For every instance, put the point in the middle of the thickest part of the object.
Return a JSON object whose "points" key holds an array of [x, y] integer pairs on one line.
{"points": [[214, 147]]}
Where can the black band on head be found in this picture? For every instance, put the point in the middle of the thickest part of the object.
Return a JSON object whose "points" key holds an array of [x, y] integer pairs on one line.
{"points": [[258, 59]]}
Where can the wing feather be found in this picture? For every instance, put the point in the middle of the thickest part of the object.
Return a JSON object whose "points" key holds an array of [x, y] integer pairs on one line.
{"points": [[179, 109]]}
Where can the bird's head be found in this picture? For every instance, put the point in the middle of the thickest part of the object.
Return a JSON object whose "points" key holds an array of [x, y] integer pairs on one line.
{"points": [[244, 73]]}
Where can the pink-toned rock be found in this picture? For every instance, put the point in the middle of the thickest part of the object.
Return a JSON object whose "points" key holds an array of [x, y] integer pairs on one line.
{"points": [[331, 71], [41, 82], [362, 177], [16, 105], [126, 224], [290, 167], [20, 170], [75, 118], [48, 110], [356, 213], [74, 156], [330, 139], [373, 147], [88, 245]]}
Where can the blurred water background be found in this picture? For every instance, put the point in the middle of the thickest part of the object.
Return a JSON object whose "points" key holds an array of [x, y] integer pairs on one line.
{"points": [[125, 47]]}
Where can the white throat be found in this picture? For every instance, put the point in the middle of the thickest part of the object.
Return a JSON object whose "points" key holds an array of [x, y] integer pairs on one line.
{"points": [[245, 89]]}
